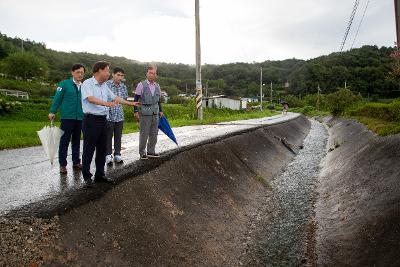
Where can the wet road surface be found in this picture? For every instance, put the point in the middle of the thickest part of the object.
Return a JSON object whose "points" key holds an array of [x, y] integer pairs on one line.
{"points": [[26, 176]]}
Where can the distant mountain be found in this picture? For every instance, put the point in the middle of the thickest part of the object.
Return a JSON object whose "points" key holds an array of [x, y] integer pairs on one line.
{"points": [[365, 70]]}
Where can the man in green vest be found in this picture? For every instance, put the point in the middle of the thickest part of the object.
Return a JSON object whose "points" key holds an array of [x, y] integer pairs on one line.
{"points": [[68, 100], [149, 94]]}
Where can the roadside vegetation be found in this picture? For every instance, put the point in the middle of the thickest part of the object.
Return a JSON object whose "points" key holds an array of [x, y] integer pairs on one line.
{"points": [[382, 117], [20, 119], [370, 70]]}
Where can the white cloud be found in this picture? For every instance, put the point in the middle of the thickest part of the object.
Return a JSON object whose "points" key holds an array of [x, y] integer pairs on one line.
{"points": [[231, 31]]}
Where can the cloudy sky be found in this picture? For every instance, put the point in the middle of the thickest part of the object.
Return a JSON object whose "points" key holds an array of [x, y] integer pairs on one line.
{"points": [[231, 30]]}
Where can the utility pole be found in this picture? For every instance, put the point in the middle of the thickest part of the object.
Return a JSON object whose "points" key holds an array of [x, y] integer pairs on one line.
{"points": [[396, 54], [22, 45], [261, 92], [397, 10], [397, 18], [199, 93], [271, 92], [319, 90]]}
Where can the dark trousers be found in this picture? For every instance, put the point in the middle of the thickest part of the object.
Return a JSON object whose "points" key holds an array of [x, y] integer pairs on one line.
{"points": [[94, 138], [72, 132], [116, 129]]}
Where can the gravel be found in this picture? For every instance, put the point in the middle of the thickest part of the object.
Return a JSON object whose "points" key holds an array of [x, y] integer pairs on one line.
{"points": [[282, 234], [28, 241]]}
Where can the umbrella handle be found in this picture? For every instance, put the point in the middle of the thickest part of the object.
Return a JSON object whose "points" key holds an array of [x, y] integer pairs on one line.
{"points": [[51, 123]]}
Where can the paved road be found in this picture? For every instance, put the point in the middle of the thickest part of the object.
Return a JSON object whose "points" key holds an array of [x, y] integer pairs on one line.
{"points": [[26, 175]]}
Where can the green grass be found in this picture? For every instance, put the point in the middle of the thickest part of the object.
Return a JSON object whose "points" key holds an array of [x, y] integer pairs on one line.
{"points": [[310, 111], [381, 118], [386, 112], [15, 134], [19, 128], [34, 88], [380, 127]]}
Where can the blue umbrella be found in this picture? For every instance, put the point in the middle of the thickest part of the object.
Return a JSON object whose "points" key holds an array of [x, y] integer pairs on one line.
{"points": [[164, 126]]}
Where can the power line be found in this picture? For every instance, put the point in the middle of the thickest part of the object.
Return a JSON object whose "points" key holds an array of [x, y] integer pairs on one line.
{"points": [[359, 25], [353, 13]]}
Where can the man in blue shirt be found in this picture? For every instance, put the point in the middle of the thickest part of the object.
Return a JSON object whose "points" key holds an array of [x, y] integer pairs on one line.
{"points": [[115, 118], [96, 99]]}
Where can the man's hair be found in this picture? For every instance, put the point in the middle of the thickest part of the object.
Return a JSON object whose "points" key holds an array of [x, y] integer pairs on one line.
{"points": [[77, 66], [118, 69], [151, 67], [100, 65]]}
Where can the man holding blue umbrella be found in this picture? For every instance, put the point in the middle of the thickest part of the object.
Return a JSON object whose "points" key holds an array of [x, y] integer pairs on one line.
{"points": [[148, 92]]}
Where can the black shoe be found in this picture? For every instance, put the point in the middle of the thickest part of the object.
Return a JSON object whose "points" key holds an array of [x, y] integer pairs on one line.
{"points": [[144, 157], [77, 166], [88, 182], [103, 179], [155, 155], [63, 169]]}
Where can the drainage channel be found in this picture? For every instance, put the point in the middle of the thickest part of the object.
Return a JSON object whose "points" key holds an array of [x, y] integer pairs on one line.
{"points": [[286, 224]]}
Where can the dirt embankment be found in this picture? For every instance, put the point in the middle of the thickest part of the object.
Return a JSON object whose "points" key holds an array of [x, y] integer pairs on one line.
{"points": [[358, 210], [192, 210]]}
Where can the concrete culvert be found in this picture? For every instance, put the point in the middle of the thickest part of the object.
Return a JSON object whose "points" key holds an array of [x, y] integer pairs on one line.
{"points": [[192, 210], [273, 196], [358, 209]]}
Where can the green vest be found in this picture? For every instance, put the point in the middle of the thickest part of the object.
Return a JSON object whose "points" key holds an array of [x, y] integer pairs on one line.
{"points": [[149, 103], [68, 99]]}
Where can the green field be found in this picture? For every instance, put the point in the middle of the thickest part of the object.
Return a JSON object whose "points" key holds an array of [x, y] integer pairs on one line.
{"points": [[376, 119], [18, 128], [381, 118]]}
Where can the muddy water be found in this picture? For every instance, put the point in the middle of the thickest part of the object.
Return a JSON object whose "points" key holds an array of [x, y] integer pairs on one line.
{"points": [[285, 222]]}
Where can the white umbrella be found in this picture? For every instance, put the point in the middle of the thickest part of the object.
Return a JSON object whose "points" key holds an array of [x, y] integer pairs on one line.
{"points": [[50, 138]]}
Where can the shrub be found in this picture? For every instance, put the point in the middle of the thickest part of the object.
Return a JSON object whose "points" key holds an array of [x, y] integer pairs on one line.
{"points": [[25, 65], [341, 100], [34, 88], [387, 112], [294, 101], [312, 100], [178, 100], [7, 106]]}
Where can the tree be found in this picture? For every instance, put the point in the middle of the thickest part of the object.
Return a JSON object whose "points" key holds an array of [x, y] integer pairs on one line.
{"points": [[25, 65], [294, 101], [253, 89], [340, 100], [171, 90]]}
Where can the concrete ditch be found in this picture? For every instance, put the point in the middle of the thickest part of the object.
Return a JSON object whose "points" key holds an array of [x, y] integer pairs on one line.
{"points": [[191, 210], [358, 209], [258, 198]]}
